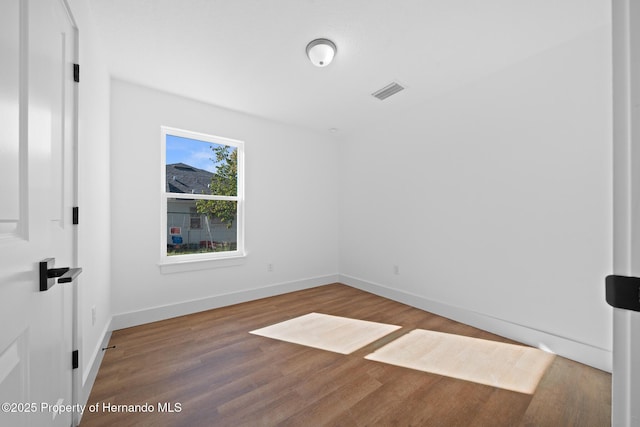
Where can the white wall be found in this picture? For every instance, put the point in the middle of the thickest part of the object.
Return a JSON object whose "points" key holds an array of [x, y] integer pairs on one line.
{"points": [[495, 199], [291, 208], [94, 250]]}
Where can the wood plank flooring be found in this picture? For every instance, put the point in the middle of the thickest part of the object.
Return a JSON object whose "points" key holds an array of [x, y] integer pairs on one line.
{"points": [[210, 368]]}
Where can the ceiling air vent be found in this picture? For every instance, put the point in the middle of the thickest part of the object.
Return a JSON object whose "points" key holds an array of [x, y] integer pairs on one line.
{"points": [[387, 91]]}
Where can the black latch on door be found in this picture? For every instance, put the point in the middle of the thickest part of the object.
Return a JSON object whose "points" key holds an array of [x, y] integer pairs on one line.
{"points": [[48, 274], [623, 292]]}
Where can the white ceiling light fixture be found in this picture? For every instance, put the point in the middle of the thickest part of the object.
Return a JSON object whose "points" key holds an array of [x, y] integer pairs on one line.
{"points": [[321, 52]]}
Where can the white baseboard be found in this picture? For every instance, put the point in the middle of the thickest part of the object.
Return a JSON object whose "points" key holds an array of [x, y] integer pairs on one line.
{"points": [[140, 317], [580, 352]]}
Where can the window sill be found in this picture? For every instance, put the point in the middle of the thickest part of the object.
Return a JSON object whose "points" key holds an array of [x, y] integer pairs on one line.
{"points": [[179, 266]]}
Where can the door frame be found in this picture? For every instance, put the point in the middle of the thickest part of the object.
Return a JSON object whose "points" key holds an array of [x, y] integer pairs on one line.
{"points": [[626, 206]]}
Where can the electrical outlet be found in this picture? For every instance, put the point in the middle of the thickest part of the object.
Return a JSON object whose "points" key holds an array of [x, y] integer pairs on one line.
{"points": [[269, 267], [93, 315], [396, 269]]}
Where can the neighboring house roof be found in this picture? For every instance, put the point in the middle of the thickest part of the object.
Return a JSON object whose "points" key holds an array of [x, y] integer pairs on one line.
{"points": [[182, 178]]}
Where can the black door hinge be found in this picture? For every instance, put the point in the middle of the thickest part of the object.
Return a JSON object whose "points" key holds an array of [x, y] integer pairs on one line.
{"points": [[623, 292], [76, 214], [74, 359], [76, 73]]}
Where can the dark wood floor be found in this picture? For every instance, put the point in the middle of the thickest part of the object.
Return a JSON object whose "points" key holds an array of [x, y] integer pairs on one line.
{"points": [[209, 367]]}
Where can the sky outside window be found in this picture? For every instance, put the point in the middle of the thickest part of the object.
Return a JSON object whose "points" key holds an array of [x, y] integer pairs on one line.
{"points": [[191, 152]]}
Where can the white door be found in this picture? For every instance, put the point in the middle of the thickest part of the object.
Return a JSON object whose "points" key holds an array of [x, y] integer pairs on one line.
{"points": [[37, 192], [626, 120]]}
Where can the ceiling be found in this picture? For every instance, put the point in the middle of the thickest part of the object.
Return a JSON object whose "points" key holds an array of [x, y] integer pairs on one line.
{"points": [[249, 55]]}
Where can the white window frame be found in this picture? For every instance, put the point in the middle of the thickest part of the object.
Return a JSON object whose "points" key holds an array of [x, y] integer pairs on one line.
{"points": [[213, 258]]}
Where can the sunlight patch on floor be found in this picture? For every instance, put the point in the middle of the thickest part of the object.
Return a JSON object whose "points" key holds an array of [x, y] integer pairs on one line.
{"points": [[326, 332], [508, 366]]}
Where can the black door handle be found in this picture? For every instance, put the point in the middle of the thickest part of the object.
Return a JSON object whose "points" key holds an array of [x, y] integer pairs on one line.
{"points": [[48, 274]]}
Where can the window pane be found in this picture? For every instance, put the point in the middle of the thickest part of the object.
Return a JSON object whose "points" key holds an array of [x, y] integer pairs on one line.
{"points": [[199, 226], [200, 167]]}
